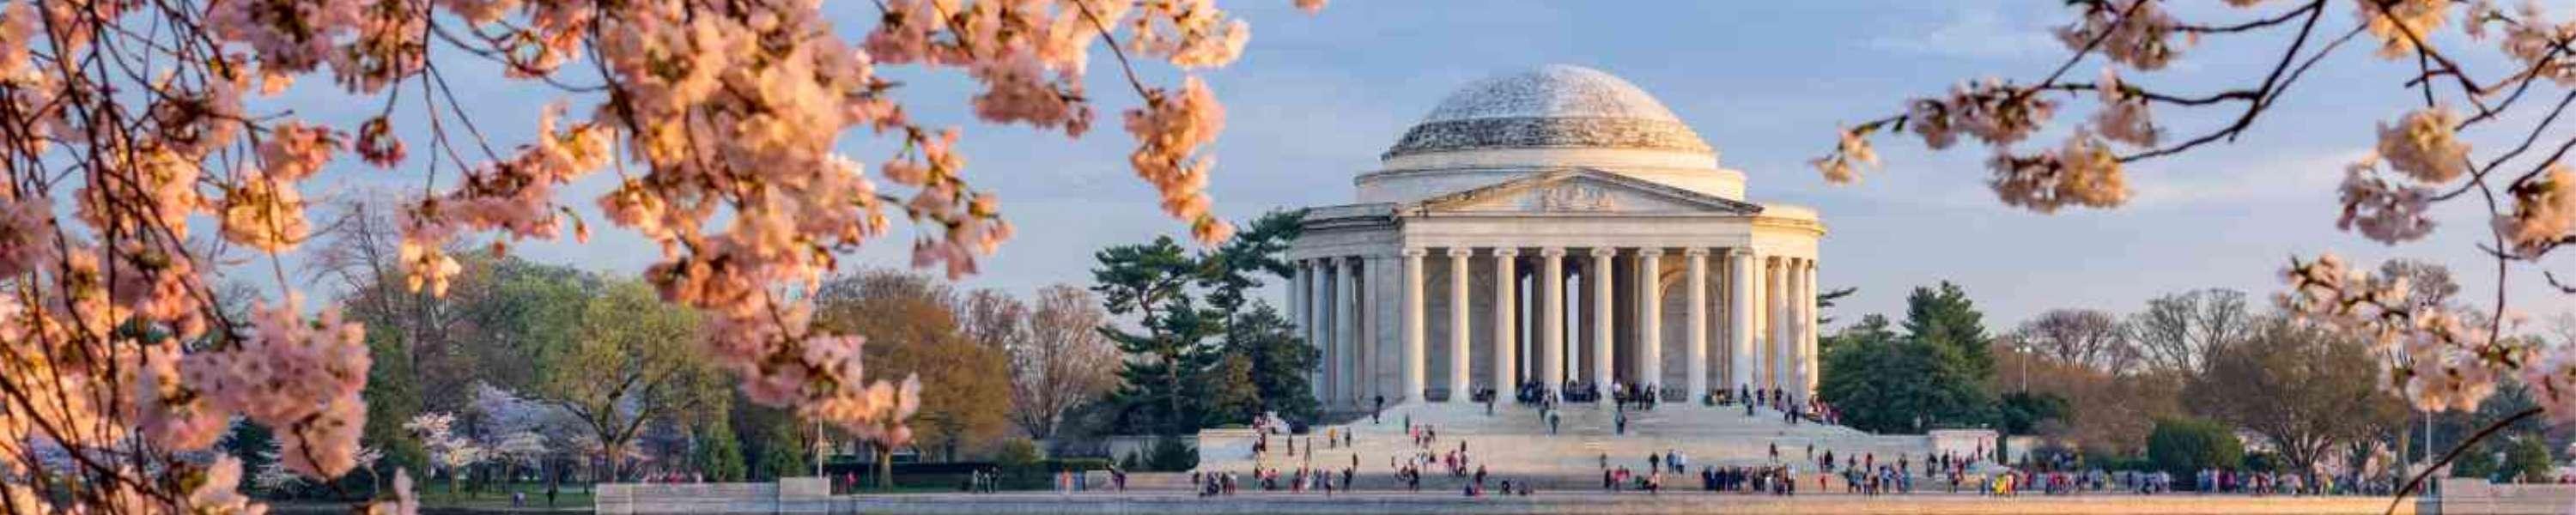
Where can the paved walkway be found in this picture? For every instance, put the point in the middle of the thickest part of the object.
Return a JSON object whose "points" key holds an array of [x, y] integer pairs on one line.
{"points": [[1599, 503]]}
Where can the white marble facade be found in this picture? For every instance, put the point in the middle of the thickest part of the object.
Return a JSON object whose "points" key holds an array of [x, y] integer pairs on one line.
{"points": [[1503, 240]]}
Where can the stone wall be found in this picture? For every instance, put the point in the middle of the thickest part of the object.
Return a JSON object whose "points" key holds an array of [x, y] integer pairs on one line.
{"points": [[2479, 496], [1586, 504], [648, 498]]}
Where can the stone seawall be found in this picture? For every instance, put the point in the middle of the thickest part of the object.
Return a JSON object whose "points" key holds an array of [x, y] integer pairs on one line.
{"points": [[811, 495], [696, 498], [1608, 504], [2476, 496]]}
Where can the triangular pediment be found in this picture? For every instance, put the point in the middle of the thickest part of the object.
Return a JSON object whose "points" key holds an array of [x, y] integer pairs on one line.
{"points": [[1579, 190]]}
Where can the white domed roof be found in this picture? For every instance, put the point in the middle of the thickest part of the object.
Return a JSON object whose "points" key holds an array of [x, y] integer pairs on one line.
{"points": [[1552, 91], [1554, 106]]}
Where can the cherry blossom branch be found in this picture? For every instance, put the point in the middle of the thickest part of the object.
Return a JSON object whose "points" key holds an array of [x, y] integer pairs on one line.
{"points": [[2416, 482]]}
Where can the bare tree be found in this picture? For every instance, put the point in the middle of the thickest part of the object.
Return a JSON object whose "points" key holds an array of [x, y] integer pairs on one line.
{"points": [[1064, 362], [2178, 331], [357, 259], [2081, 337], [2562, 328], [992, 318], [2428, 284]]}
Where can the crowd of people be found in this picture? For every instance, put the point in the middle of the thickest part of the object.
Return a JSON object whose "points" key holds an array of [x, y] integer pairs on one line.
{"points": [[1862, 473]]}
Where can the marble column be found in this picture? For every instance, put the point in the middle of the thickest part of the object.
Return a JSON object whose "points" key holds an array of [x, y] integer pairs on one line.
{"points": [[1740, 320], [1459, 390], [1650, 320], [1319, 329], [1603, 338], [1506, 322], [1807, 343], [1412, 378], [1346, 340], [1551, 345], [1301, 279], [1776, 310], [1793, 378], [1695, 282]]}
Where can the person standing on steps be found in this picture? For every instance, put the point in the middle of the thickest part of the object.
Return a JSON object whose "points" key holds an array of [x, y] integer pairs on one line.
{"points": [[1552, 420], [1381, 408]]}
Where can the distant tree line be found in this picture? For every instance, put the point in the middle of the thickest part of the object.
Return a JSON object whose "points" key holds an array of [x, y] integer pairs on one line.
{"points": [[2161, 387]]}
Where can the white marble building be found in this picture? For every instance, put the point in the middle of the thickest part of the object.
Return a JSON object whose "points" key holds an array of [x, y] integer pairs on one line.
{"points": [[1503, 239]]}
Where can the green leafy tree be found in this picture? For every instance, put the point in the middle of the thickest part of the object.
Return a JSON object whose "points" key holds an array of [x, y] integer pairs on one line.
{"points": [[774, 442], [1933, 376], [623, 359], [393, 396], [719, 452], [2021, 413], [253, 444], [1151, 282], [2526, 460], [1275, 359], [2183, 446], [1871, 328], [2306, 389], [1194, 313], [1826, 301], [1942, 315], [2480, 463]]}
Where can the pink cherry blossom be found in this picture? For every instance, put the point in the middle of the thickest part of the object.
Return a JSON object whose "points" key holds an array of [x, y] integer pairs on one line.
{"points": [[722, 120], [2133, 32], [220, 491], [2081, 173], [2124, 116], [17, 37], [1851, 153], [2382, 210], [2401, 25], [2423, 146], [2544, 212]]}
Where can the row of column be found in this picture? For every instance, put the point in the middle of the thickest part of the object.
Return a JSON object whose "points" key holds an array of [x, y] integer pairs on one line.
{"points": [[1770, 339]]}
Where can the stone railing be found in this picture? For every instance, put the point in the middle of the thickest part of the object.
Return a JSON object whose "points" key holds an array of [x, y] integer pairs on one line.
{"points": [[786, 495], [2478, 496]]}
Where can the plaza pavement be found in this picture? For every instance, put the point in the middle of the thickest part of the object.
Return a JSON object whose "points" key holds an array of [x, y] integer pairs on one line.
{"points": [[1595, 502]]}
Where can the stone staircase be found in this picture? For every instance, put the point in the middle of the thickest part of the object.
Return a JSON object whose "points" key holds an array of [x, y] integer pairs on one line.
{"points": [[1514, 442]]}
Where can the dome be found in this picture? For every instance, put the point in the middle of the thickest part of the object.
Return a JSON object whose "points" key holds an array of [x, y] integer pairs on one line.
{"points": [[1554, 106]]}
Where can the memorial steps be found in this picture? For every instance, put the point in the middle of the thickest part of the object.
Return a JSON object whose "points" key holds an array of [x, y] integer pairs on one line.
{"points": [[1514, 442]]}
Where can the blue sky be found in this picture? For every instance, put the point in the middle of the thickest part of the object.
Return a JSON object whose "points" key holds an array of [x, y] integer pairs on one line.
{"points": [[1315, 99]]}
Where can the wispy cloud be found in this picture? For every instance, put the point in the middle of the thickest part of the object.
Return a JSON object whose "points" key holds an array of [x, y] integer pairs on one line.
{"points": [[2297, 177], [1974, 33]]}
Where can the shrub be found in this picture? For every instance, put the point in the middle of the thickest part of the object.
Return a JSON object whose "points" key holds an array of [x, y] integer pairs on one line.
{"points": [[1171, 455], [1017, 454], [2184, 446], [2526, 460]]}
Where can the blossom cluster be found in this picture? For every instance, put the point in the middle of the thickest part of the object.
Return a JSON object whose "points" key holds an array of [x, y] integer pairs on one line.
{"points": [[2381, 209], [2402, 25], [721, 121], [2082, 173], [2444, 359], [2137, 33], [2439, 356]]}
